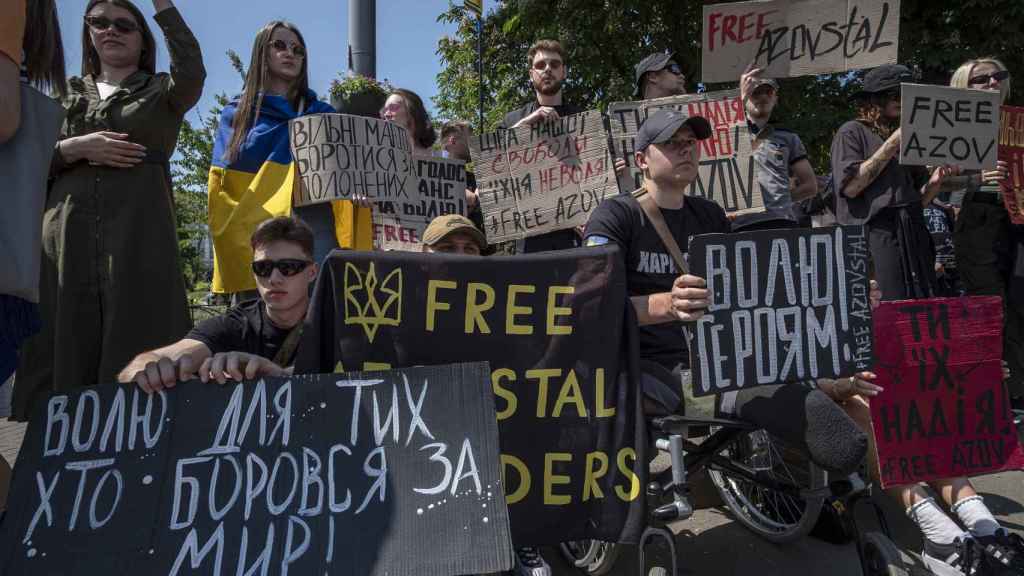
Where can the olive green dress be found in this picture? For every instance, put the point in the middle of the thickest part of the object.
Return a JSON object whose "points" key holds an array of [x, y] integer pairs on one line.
{"points": [[111, 283]]}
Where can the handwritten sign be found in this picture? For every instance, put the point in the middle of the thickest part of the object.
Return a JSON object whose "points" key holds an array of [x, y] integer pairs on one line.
{"points": [[785, 306], [554, 329], [439, 188], [798, 38], [385, 473], [944, 412], [726, 174], [1011, 149], [540, 178], [943, 125]]}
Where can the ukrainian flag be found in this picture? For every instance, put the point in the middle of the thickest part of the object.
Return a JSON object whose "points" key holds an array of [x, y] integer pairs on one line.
{"points": [[258, 186]]}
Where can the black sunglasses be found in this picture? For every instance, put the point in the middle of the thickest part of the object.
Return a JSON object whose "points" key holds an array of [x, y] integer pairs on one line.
{"points": [[287, 266], [985, 78], [296, 49], [101, 23]]}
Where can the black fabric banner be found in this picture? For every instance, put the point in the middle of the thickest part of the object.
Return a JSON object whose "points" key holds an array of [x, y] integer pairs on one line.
{"points": [[785, 306], [392, 472], [557, 332]]}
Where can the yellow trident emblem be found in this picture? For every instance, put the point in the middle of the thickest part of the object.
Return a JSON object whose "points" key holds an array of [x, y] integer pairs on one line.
{"points": [[373, 314]]}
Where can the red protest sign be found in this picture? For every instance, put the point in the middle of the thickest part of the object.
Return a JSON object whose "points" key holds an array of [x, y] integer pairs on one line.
{"points": [[1011, 149], [944, 411]]}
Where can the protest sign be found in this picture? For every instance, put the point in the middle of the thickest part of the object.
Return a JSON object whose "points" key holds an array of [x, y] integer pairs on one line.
{"points": [[543, 177], [439, 188], [726, 173], [942, 125], [386, 473], [798, 38], [553, 327], [944, 412], [785, 306], [1011, 149]]}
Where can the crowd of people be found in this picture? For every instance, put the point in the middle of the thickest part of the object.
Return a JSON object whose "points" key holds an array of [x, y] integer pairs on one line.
{"points": [[109, 303]]}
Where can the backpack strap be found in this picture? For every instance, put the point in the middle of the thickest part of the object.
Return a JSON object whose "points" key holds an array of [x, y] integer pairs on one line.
{"points": [[287, 349], [654, 214]]}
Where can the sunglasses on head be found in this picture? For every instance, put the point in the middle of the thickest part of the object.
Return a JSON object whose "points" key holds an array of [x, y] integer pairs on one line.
{"points": [[541, 65], [122, 25], [282, 46], [986, 78], [674, 68], [287, 267]]}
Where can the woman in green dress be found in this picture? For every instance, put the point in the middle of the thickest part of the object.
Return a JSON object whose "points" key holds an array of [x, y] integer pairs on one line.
{"points": [[111, 283]]}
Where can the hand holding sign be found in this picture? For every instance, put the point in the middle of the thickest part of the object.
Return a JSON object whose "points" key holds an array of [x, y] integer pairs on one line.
{"points": [[689, 298], [238, 366]]}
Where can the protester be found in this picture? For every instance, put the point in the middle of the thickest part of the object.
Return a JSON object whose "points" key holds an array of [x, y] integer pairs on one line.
{"points": [[665, 298], [455, 142], [547, 72], [405, 108], [875, 190], [253, 339], [983, 236], [779, 154], [252, 176], [453, 234], [110, 252], [658, 75]]}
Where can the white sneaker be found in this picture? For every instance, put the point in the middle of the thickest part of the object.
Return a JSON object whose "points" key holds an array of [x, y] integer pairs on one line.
{"points": [[529, 562]]}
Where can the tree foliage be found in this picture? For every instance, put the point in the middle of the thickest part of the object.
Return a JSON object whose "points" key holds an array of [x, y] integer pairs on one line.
{"points": [[606, 39]]}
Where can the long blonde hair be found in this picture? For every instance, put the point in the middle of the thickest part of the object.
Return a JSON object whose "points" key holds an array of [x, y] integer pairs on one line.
{"points": [[256, 80], [962, 77]]}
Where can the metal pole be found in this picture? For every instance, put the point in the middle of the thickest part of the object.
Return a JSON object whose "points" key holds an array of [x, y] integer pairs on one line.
{"points": [[362, 37], [480, 65]]}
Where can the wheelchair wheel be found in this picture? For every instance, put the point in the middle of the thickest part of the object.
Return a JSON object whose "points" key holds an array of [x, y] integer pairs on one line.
{"points": [[777, 515], [881, 557], [591, 556]]}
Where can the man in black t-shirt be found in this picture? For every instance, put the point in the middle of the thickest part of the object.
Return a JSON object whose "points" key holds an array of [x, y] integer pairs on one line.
{"points": [[547, 72], [668, 153], [257, 337]]}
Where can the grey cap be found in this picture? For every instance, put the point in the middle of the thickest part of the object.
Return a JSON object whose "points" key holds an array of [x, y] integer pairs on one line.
{"points": [[663, 124], [762, 81], [652, 63], [884, 78]]}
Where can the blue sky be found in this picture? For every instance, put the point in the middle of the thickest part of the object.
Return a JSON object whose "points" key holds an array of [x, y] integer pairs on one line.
{"points": [[407, 35]]}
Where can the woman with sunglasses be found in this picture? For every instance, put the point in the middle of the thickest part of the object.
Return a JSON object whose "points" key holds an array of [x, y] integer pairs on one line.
{"points": [[252, 176], [984, 237], [111, 282]]}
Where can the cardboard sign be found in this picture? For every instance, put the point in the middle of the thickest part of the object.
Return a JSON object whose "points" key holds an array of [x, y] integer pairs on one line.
{"points": [[726, 174], [785, 306], [385, 473], [439, 188], [942, 125], [944, 411], [540, 178], [798, 38], [1011, 149], [554, 328]]}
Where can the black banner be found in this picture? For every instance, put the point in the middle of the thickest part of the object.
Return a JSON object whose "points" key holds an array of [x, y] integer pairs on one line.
{"points": [[555, 329], [387, 473], [786, 306]]}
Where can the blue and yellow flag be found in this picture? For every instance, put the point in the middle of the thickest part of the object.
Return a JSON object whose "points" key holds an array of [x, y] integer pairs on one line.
{"points": [[258, 186], [476, 6]]}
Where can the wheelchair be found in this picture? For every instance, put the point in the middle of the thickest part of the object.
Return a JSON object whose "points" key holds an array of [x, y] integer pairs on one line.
{"points": [[769, 488]]}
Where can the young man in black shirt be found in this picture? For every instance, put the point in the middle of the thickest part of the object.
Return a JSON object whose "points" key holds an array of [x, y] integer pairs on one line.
{"points": [[257, 337], [668, 153]]}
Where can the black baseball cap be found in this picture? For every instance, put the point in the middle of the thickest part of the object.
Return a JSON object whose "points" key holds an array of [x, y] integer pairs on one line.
{"points": [[883, 79], [651, 63], [662, 125]]}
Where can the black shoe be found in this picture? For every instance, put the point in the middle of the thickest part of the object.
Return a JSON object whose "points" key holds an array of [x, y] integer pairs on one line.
{"points": [[1003, 552], [962, 558], [529, 562]]}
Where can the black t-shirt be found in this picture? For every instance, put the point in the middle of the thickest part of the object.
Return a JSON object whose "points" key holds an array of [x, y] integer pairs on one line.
{"points": [[516, 115], [649, 266], [244, 328]]}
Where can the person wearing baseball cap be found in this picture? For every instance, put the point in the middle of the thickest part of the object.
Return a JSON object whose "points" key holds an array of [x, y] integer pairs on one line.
{"points": [[453, 234], [876, 191], [659, 76]]}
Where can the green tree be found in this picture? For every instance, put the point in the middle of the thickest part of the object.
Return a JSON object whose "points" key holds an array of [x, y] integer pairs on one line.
{"points": [[605, 40]]}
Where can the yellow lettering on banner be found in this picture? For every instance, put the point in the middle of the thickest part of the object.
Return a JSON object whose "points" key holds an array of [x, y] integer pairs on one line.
{"points": [[550, 479], [339, 368], [634, 487], [590, 485], [570, 393], [432, 304], [602, 410], [524, 478], [555, 311], [376, 366], [504, 393], [475, 309], [542, 375], [512, 310]]}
